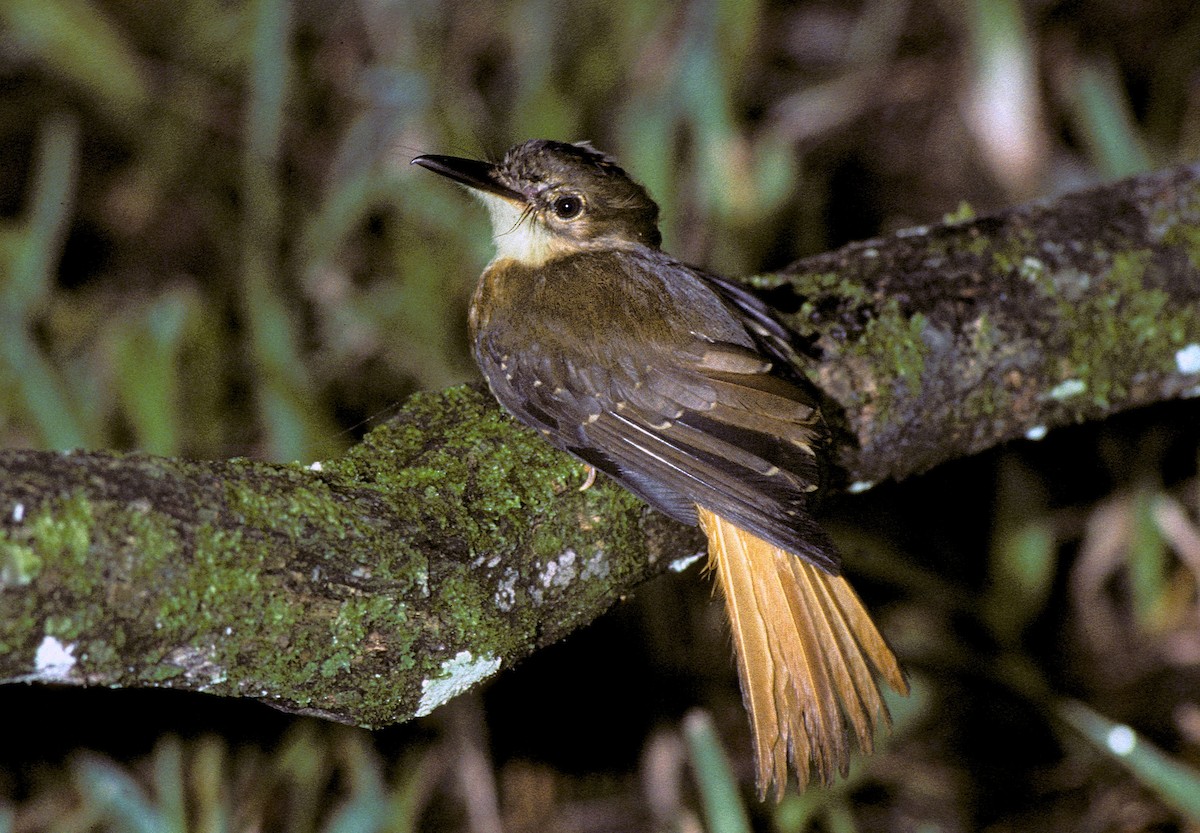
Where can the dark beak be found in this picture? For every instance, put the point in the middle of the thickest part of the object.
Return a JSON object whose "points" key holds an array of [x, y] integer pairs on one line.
{"points": [[474, 174]]}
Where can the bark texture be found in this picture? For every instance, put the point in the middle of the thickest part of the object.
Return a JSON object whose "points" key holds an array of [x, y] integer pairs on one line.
{"points": [[452, 542]]}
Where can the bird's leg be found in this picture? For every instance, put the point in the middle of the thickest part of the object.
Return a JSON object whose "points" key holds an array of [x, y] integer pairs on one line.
{"points": [[591, 478]]}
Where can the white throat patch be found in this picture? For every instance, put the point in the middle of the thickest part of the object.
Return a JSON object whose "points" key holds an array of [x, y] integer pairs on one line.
{"points": [[518, 236]]}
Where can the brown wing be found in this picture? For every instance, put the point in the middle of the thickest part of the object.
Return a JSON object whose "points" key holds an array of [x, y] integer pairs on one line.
{"points": [[702, 422]]}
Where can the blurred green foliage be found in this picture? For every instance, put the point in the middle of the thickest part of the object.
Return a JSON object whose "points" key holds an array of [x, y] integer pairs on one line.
{"points": [[211, 243], [314, 782], [723, 808], [1175, 782]]}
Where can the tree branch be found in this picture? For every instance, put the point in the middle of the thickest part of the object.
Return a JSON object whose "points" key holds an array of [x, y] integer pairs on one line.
{"points": [[452, 542]]}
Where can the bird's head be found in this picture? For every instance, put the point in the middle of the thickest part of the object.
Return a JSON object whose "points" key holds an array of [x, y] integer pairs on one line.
{"points": [[550, 199]]}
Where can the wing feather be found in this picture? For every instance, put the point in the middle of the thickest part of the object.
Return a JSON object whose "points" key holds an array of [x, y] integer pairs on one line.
{"points": [[671, 394]]}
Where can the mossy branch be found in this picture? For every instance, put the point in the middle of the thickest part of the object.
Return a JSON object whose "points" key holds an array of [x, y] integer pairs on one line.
{"points": [[452, 542]]}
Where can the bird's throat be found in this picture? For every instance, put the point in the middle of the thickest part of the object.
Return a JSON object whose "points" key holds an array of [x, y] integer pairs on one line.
{"points": [[520, 236]]}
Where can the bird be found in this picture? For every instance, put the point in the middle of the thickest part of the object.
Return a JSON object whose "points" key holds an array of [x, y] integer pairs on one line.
{"points": [[686, 389]]}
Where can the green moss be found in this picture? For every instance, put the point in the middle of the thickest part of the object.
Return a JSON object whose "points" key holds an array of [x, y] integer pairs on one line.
{"points": [[1014, 254], [903, 341], [985, 398], [62, 627], [160, 672], [1180, 224], [820, 286], [490, 465], [62, 532], [978, 245], [305, 506], [297, 506], [964, 213], [153, 580], [218, 574], [893, 344], [51, 550], [465, 606], [287, 653], [101, 653], [1123, 326], [984, 338], [19, 563], [1188, 236], [196, 589], [1113, 323]]}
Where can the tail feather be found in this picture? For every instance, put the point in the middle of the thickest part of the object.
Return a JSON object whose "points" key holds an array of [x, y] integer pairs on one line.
{"points": [[807, 655], [752, 649], [806, 688], [861, 698]]}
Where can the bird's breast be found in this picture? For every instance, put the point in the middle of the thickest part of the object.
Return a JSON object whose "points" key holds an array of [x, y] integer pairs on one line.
{"points": [[498, 292]]}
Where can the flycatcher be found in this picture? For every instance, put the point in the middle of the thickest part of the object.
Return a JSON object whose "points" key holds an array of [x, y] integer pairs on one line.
{"points": [[683, 387]]}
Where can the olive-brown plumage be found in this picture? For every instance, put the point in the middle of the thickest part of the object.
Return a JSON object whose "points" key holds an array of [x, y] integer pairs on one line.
{"points": [[680, 385]]}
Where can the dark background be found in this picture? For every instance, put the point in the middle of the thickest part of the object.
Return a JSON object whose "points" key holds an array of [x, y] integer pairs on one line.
{"points": [[211, 244]]}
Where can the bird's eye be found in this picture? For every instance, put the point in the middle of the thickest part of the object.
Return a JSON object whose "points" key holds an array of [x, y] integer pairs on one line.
{"points": [[567, 207]]}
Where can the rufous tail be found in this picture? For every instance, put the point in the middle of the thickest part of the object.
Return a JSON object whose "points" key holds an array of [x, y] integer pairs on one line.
{"points": [[807, 655]]}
